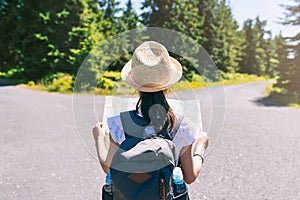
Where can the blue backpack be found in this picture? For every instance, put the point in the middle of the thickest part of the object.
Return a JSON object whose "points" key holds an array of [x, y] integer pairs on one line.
{"points": [[143, 164]]}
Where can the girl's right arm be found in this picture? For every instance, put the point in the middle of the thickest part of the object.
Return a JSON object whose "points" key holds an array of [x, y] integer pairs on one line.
{"points": [[190, 160]]}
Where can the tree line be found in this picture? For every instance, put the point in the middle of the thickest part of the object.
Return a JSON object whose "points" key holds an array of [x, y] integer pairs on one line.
{"points": [[39, 39]]}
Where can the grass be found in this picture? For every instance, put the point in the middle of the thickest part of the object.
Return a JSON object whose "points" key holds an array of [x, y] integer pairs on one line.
{"points": [[281, 96], [43, 88], [58, 83], [227, 79], [238, 78], [110, 83]]}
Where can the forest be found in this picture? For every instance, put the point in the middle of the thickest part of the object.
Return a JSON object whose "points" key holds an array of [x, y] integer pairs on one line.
{"points": [[45, 41]]}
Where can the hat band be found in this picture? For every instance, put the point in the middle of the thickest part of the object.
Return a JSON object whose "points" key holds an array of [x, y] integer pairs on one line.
{"points": [[145, 86]]}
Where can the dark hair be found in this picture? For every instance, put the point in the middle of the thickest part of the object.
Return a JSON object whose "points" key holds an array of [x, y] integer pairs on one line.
{"points": [[156, 110]]}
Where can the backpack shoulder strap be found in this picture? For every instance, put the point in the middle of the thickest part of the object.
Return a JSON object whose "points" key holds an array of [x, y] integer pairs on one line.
{"points": [[133, 125]]}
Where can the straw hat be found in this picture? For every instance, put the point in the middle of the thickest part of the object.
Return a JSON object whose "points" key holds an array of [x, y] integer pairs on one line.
{"points": [[151, 69]]}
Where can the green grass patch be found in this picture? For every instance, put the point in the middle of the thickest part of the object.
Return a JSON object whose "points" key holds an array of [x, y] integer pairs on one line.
{"points": [[110, 83], [239, 78], [185, 85], [58, 82], [227, 79], [282, 96]]}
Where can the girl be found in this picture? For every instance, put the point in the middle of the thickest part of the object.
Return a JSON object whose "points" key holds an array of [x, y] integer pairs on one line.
{"points": [[152, 71]]}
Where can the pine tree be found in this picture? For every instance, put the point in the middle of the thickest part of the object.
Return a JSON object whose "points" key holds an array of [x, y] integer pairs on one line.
{"points": [[271, 45], [209, 23], [129, 19], [226, 42], [261, 49], [256, 55], [43, 38], [282, 56], [248, 51], [156, 12], [90, 30], [36, 36], [207, 10], [178, 15], [290, 61], [112, 9]]}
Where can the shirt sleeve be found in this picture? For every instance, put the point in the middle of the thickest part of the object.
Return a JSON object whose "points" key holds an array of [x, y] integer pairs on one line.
{"points": [[116, 129], [186, 134]]}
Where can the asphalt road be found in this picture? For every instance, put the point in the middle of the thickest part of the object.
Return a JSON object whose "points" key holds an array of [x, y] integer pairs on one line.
{"points": [[42, 156]]}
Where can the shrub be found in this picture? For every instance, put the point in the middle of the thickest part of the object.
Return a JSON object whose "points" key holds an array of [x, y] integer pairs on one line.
{"points": [[31, 83], [58, 82], [106, 83], [114, 76]]}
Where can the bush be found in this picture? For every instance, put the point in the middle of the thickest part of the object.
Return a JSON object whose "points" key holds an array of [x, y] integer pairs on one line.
{"points": [[114, 76], [58, 82], [109, 80], [31, 83], [282, 96], [106, 83]]}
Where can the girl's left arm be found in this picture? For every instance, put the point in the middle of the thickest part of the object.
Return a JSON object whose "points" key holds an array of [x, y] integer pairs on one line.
{"points": [[104, 156]]}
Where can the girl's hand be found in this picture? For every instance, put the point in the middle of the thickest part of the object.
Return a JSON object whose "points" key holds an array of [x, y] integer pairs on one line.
{"points": [[97, 131], [101, 141], [201, 142]]}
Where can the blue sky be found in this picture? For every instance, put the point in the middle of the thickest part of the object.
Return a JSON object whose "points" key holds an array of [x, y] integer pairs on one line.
{"points": [[269, 10]]}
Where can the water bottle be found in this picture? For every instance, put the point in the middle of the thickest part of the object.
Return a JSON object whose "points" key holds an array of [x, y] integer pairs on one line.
{"points": [[178, 183], [107, 188]]}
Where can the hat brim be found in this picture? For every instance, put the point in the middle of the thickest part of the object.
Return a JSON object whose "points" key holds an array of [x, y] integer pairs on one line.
{"points": [[175, 77]]}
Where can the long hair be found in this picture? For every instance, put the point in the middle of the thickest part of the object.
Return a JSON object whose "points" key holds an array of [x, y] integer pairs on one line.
{"points": [[156, 110]]}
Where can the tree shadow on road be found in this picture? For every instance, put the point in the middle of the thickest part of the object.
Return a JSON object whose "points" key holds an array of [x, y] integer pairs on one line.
{"points": [[2, 84], [265, 101], [8, 82]]}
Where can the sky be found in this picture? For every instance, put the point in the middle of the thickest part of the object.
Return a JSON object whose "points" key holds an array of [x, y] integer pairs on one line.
{"points": [[269, 10]]}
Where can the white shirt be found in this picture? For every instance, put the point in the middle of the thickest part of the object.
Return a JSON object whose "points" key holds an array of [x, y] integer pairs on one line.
{"points": [[185, 135]]}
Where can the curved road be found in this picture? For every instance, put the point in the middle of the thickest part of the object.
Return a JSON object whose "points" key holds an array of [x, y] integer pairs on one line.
{"points": [[42, 157]]}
